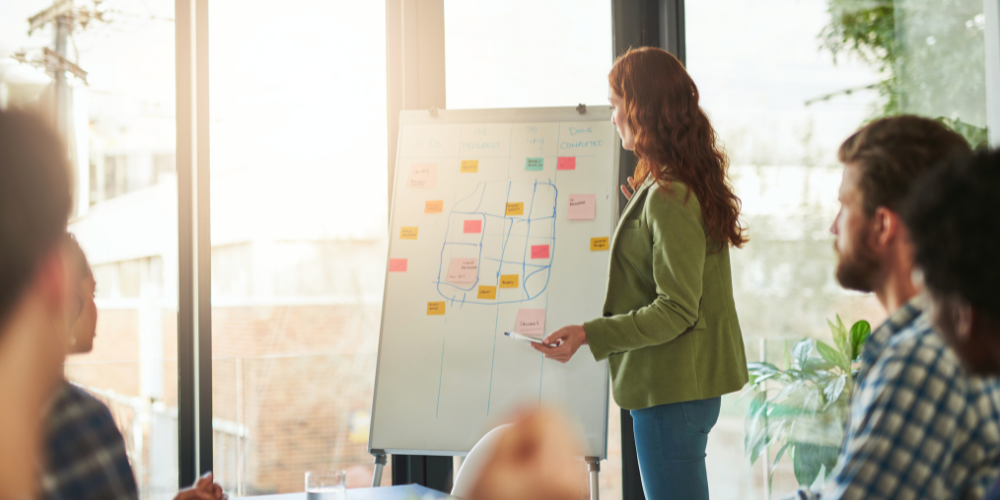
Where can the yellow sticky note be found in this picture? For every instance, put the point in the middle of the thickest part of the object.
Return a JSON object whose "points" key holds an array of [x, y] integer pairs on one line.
{"points": [[435, 308], [599, 243], [470, 166], [508, 281], [516, 208], [487, 292], [433, 206], [407, 233]]}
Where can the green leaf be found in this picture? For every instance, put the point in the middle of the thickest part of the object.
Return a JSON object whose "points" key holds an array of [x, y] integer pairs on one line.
{"points": [[802, 350], [840, 336], [774, 468], [833, 390], [756, 427], [809, 459], [860, 332], [834, 356]]}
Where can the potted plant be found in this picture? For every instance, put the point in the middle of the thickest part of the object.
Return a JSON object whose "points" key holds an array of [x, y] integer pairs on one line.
{"points": [[802, 409]]}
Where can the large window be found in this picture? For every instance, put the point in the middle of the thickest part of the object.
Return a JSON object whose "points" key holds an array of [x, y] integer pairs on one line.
{"points": [[298, 131], [116, 113], [784, 86]]}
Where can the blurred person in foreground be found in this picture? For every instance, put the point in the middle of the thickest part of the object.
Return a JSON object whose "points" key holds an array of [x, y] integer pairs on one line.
{"points": [[538, 458], [87, 458], [34, 206], [955, 227], [919, 426]]}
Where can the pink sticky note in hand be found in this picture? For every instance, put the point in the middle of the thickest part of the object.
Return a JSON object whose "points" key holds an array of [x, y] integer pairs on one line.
{"points": [[397, 265], [463, 271], [539, 252], [473, 226], [566, 163], [582, 207], [530, 322]]}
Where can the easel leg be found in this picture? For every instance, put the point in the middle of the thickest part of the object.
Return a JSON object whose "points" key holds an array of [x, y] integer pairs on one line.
{"points": [[379, 465], [594, 465]]}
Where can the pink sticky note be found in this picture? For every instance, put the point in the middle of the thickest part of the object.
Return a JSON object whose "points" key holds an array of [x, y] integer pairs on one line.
{"points": [[530, 322], [463, 270], [566, 163], [582, 207], [397, 265], [539, 252], [473, 226]]}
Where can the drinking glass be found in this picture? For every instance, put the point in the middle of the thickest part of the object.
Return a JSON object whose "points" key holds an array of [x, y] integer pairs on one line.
{"points": [[326, 485]]}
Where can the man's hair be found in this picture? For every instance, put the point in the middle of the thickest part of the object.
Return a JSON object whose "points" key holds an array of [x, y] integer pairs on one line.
{"points": [[954, 224], [894, 152], [79, 257], [34, 200]]}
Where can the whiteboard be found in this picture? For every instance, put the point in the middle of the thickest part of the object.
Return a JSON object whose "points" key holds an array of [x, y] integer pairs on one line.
{"points": [[480, 233]]}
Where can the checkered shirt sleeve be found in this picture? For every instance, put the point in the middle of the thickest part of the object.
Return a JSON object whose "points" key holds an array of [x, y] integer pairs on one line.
{"points": [[919, 427], [86, 452]]}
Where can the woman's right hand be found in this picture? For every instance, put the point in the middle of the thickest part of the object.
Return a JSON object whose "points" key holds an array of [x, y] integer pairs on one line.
{"points": [[627, 189]]}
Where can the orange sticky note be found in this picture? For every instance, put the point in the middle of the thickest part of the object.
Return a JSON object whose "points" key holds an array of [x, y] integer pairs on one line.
{"points": [[509, 281], [566, 163], [435, 308], [433, 206], [516, 208], [599, 243], [539, 252], [469, 166], [397, 265], [407, 233], [487, 292]]}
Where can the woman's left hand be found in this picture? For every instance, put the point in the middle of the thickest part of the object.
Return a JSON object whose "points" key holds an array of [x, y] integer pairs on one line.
{"points": [[562, 344]]}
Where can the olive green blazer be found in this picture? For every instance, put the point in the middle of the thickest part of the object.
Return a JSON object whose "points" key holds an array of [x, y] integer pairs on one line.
{"points": [[670, 331]]}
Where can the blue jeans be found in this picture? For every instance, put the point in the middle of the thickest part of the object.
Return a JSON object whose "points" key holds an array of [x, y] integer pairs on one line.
{"points": [[670, 441]]}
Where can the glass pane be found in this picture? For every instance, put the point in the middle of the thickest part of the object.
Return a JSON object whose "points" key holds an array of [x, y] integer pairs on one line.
{"points": [[784, 86], [119, 122], [527, 53], [299, 216]]}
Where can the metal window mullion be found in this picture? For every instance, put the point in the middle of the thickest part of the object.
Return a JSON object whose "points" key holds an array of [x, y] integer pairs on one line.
{"points": [[194, 348]]}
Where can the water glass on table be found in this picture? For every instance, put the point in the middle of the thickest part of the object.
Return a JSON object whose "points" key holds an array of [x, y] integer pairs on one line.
{"points": [[326, 485]]}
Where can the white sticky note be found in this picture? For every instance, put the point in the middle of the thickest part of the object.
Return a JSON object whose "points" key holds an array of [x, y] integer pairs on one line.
{"points": [[582, 207], [422, 175], [463, 270], [530, 322]]}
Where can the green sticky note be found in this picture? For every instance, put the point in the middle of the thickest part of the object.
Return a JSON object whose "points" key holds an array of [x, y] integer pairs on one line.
{"points": [[534, 164]]}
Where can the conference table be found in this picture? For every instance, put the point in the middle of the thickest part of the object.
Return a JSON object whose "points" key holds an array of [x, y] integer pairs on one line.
{"points": [[401, 492]]}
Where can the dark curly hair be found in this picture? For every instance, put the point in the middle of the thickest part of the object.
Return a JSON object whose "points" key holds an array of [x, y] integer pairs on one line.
{"points": [[673, 137], [954, 224]]}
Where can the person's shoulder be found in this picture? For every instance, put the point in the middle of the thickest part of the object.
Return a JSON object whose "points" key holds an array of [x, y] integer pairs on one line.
{"points": [[77, 408], [673, 200]]}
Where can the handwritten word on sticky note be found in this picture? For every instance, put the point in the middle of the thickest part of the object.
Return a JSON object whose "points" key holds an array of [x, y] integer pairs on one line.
{"points": [[422, 175], [469, 166], [472, 226], [433, 206], [566, 163], [487, 292], [397, 265], [435, 308], [539, 251], [463, 270], [516, 208], [407, 233], [599, 244], [534, 164], [582, 207], [530, 322], [508, 281]]}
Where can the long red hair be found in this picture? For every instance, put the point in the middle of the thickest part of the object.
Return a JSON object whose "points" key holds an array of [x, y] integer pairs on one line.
{"points": [[673, 137]]}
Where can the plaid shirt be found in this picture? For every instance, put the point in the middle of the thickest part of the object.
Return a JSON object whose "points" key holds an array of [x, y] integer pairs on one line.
{"points": [[919, 427], [86, 452]]}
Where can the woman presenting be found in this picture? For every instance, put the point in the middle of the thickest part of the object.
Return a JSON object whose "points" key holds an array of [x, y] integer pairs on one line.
{"points": [[669, 330]]}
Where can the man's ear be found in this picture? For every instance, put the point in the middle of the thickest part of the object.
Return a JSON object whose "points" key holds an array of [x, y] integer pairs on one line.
{"points": [[886, 226], [52, 278]]}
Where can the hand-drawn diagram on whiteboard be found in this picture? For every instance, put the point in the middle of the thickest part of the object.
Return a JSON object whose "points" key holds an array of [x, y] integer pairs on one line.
{"points": [[483, 226], [500, 222]]}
